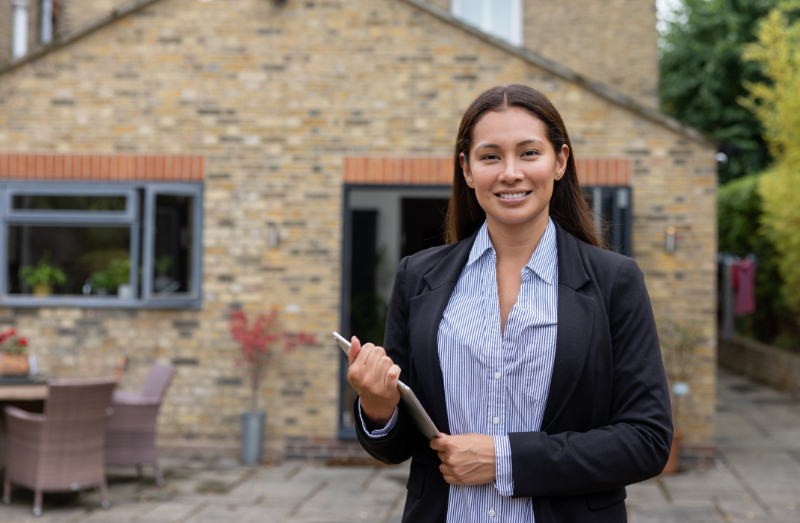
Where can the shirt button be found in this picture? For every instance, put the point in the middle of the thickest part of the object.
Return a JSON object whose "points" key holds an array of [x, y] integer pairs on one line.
{"points": [[496, 421], [497, 375], [492, 513]]}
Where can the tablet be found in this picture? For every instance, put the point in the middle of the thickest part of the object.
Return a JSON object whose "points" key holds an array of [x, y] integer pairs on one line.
{"points": [[407, 396]]}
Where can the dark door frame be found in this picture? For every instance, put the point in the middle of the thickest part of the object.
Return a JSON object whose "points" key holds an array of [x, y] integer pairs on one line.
{"points": [[344, 313]]}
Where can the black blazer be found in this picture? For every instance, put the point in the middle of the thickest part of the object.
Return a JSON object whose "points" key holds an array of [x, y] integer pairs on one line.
{"points": [[607, 421]]}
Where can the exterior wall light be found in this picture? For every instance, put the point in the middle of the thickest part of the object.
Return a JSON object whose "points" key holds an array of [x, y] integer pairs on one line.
{"points": [[670, 245]]}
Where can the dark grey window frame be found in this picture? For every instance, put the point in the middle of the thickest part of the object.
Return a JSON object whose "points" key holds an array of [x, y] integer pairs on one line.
{"points": [[130, 217], [621, 214]]}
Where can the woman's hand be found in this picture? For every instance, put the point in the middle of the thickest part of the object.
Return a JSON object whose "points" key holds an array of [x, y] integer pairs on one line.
{"points": [[467, 459], [374, 377]]}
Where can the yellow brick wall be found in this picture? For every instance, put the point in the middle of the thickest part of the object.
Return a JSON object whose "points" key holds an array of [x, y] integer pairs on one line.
{"points": [[275, 98], [71, 15], [6, 29], [77, 13], [613, 41]]}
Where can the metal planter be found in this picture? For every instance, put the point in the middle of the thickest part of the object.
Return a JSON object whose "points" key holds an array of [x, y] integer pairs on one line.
{"points": [[252, 436]]}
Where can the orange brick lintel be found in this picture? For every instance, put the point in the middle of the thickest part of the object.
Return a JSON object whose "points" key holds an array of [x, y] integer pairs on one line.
{"points": [[367, 170], [102, 167]]}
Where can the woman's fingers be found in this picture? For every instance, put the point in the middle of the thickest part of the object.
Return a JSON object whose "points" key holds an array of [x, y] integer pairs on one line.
{"points": [[373, 357], [381, 370], [374, 377], [392, 376], [355, 349], [467, 459]]}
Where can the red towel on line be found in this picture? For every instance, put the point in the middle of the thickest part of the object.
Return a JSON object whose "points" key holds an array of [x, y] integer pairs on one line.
{"points": [[745, 285]]}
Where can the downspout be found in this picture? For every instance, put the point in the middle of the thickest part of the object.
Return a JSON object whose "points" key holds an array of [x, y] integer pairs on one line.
{"points": [[20, 47]]}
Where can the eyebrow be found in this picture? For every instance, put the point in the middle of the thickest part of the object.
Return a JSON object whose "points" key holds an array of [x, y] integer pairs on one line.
{"points": [[495, 146]]}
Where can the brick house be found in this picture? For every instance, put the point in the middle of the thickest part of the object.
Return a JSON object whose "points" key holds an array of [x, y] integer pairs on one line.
{"points": [[207, 155]]}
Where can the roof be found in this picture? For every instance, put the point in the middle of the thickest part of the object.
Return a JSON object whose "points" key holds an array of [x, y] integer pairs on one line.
{"points": [[600, 89]]}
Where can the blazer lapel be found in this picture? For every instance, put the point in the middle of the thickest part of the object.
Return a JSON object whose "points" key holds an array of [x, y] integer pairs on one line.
{"points": [[575, 317], [425, 314]]}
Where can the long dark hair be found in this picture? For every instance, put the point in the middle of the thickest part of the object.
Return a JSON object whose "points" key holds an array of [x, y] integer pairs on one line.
{"points": [[567, 205]]}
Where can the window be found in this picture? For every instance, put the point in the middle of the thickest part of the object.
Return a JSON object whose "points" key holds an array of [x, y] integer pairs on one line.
{"points": [[500, 18], [611, 207], [100, 244]]}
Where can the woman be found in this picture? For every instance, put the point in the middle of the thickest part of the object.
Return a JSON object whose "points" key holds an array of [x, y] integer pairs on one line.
{"points": [[533, 349]]}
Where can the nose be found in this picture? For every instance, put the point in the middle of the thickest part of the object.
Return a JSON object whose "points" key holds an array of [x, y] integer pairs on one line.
{"points": [[511, 171]]}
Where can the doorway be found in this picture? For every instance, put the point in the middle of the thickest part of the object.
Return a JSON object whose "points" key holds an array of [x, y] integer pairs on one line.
{"points": [[382, 225]]}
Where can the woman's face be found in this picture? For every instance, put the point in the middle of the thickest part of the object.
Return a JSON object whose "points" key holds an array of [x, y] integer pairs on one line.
{"points": [[512, 167]]}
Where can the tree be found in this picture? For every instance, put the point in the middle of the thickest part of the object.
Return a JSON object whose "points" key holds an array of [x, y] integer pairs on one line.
{"points": [[703, 75], [777, 104], [740, 211]]}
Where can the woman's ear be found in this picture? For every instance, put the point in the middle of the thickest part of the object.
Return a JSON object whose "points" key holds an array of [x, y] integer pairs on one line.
{"points": [[561, 161], [462, 159]]}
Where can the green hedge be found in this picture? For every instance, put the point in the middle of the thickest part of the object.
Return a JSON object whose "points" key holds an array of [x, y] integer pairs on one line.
{"points": [[740, 233]]}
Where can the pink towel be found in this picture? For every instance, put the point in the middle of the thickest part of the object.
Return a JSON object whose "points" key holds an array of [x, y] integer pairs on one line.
{"points": [[746, 292]]}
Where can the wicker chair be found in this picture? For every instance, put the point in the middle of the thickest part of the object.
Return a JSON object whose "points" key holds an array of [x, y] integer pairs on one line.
{"points": [[62, 449], [131, 431]]}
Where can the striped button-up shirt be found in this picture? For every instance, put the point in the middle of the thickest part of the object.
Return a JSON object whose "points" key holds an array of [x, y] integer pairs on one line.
{"points": [[497, 383]]}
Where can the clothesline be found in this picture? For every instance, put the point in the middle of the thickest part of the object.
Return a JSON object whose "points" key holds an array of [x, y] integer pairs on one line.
{"points": [[738, 288]]}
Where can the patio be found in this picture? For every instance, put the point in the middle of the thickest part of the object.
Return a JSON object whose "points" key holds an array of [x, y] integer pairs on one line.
{"points": [[756, 477]]}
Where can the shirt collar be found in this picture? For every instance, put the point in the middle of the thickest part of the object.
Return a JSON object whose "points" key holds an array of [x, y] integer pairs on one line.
{"points": [[542, 263], [544, 260], [481, 245]]}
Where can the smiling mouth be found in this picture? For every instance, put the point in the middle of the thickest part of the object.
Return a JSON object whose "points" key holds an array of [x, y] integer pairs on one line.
{"points": [[512, 195]]}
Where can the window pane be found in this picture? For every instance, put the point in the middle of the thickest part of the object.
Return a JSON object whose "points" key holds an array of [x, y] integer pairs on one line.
{"points": [[69, 260], [496, 17], [172, 255], [500, 16], [472, 11], [610, 208], [46, 202]]}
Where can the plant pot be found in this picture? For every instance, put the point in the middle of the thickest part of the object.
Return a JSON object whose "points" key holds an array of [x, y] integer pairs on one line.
{"points": [[252, 437], [161, 283], [42, 290], [674, 453], [15, 365], [124, 291]]}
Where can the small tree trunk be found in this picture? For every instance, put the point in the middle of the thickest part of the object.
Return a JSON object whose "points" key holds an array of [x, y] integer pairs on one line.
{"points": [[256, 383]]}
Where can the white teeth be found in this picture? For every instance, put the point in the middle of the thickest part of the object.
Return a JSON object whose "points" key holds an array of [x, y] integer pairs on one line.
{"points": [[511, 196]]}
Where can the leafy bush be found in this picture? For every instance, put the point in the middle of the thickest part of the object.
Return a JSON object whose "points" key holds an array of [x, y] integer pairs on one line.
{"points": [[777, 104], [739, 211]]}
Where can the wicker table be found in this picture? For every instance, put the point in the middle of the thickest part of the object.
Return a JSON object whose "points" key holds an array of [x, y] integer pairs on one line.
{"points": [[33, 392]]}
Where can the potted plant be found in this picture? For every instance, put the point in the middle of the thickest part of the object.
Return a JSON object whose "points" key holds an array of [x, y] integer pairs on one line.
{"points": [[256, 341], [13, 358], [116, 276], [43, 276], [120, 271], [680, 340], [102, 282], [162, 265]]}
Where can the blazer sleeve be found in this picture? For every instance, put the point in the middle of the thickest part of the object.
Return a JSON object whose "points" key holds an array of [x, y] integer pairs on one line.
{"points": [[396, 446], [635, 444]]}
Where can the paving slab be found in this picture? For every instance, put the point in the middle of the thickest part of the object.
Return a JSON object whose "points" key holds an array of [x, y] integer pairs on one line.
{"points": [[756, 477]]}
